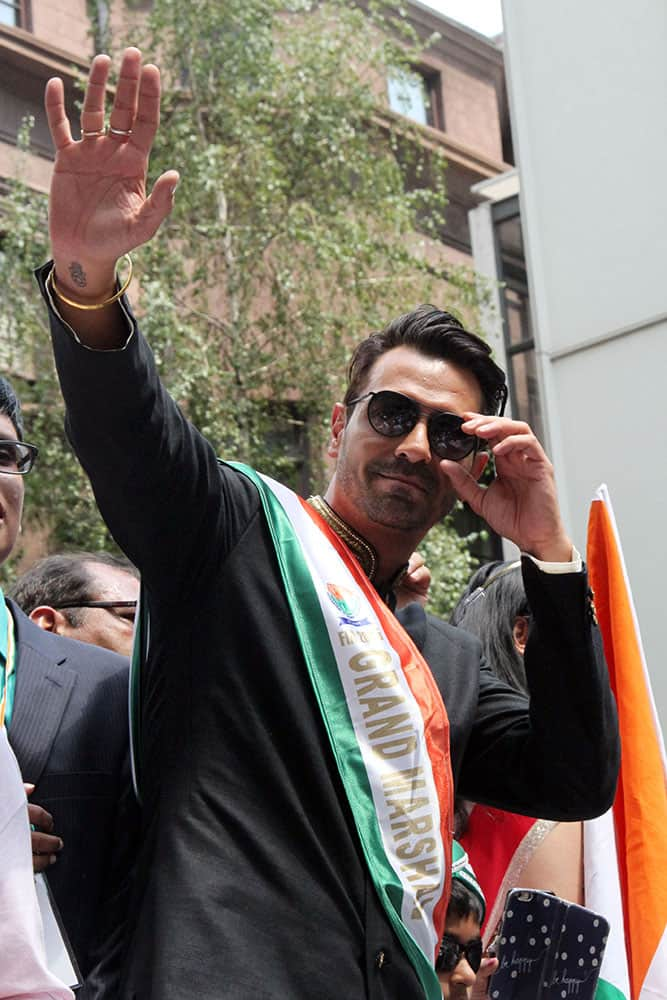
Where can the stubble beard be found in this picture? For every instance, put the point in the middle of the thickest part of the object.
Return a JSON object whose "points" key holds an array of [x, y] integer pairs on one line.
{"points": [[397, 509]]}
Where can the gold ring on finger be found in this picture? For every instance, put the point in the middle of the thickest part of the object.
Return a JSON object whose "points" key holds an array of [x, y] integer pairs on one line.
{"points": [[92, 134], [122, 133]]}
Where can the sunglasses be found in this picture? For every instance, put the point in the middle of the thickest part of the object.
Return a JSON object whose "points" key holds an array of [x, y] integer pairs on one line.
{"points": [[452, 951], [16, 457], [392, 414]]}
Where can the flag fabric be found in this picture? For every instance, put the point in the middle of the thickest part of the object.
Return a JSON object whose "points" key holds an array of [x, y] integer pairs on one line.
{"points": [[625, 851]]}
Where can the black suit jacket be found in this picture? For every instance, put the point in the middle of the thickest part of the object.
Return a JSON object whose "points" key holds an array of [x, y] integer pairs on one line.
{"points": [[513, 752], [69, 732]]}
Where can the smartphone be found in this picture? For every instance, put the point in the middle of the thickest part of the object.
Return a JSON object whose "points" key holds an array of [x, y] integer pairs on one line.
{"points": [[547, 948]]}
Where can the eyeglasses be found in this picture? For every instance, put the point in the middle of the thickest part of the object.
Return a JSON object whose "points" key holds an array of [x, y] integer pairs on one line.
{"points": [[452, 951], [17, 457], [392, 414], [107, 605]]}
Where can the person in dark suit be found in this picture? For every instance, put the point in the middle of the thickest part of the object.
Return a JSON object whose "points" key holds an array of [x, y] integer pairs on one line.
{"points": [[67, 725], [292, 743]]}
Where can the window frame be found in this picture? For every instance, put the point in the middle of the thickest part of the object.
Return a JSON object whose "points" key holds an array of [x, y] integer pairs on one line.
{"points": [[504, 211], [24, 10], [431, 80]]}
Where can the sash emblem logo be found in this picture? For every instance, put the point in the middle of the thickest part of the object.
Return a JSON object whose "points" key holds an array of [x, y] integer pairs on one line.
{"points": [[347, 603]]}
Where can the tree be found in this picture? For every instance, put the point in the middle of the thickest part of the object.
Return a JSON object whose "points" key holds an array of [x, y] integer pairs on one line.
{"points": [[307, 215]]}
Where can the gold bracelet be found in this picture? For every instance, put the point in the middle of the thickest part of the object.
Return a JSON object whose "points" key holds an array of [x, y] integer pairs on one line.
{"points": [[51, 283]]}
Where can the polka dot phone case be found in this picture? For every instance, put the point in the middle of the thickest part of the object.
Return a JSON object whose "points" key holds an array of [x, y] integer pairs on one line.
{"points": [[548, 949]]}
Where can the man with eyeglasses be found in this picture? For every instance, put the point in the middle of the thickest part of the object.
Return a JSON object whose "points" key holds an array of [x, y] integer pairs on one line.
{"points": [[65, 709], [292, 747], [87, 596]]}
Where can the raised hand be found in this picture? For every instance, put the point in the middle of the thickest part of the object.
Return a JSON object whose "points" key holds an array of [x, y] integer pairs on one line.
{"points": [[521, 503], [99, 208]]}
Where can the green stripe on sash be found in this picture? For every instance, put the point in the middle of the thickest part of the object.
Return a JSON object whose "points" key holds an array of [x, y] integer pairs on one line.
{"points": [[605, 991]]}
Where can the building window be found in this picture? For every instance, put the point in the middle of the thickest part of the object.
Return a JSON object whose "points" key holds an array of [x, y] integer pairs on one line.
{"points": [[515, 308], [413, 94], [12, 13], [98, 12]]}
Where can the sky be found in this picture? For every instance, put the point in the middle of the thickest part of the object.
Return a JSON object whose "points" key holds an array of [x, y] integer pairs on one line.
{"points": [[484, 16]]}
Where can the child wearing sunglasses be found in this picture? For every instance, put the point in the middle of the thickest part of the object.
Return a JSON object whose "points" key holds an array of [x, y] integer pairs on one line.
{"points": [[461, 950]]}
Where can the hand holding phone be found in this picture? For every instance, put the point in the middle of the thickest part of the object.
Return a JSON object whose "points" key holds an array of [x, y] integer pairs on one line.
{"points": [[547, 949]]}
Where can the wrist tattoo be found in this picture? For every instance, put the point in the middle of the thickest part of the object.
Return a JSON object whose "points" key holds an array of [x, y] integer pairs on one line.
{"points": [[77, 274]]}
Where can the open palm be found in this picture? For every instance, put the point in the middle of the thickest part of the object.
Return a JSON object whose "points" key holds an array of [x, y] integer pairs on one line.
{"points": [[99, 207]]}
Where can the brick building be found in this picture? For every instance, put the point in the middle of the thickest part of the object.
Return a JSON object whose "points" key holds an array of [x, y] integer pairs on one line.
{"points": [[457, 92]]}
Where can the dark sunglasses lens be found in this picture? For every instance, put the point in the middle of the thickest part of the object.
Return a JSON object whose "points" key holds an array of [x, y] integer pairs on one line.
{"points": [[450, 952], [391, 414], [447, 439], [474, 955]]}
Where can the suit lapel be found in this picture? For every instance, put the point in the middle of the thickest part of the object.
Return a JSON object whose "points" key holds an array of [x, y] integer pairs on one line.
{"points": [[43, 688]]}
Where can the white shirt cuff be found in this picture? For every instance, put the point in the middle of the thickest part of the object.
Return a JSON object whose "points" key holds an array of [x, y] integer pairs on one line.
{"points": [[575, 565]]}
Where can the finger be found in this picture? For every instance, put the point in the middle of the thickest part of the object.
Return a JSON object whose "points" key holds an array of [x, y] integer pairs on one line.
{"points": [[125, 102], [40, 817], [44, 843], [158, 205], [54, 103], [465, 485], [29, 788], [418, 579], [148, 109], [42, 862], [489, 427], [92, 114], [488, 967], [415, 562], [525, 444]]}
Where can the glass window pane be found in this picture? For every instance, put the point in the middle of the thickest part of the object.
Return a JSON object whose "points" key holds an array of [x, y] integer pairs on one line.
{"points": [[9, 14], [409, 95], [526, 394], [518, 316]]}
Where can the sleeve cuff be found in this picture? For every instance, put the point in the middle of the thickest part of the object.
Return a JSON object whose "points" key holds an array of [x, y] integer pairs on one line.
{"points": [[575, 565], [51, 302]]}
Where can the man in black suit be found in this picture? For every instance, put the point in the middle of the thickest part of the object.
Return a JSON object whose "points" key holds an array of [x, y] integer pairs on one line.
{"points": [[288, 851], [67, 725]]}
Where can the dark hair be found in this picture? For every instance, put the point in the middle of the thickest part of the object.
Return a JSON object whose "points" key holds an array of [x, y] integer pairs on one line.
{"points": [[439, 335], [64, 579], [488, 608], [463, 903], [10, 406]]}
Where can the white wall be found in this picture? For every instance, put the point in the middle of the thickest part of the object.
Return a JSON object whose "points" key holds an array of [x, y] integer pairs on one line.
{"points": [[588, 93]]}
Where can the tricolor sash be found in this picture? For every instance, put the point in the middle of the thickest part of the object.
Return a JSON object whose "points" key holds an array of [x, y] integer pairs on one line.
{"points": [[385, 719], [384, 716]]}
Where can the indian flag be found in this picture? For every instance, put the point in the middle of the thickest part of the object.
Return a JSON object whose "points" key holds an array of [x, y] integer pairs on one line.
{"points": [[625, 851]]}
